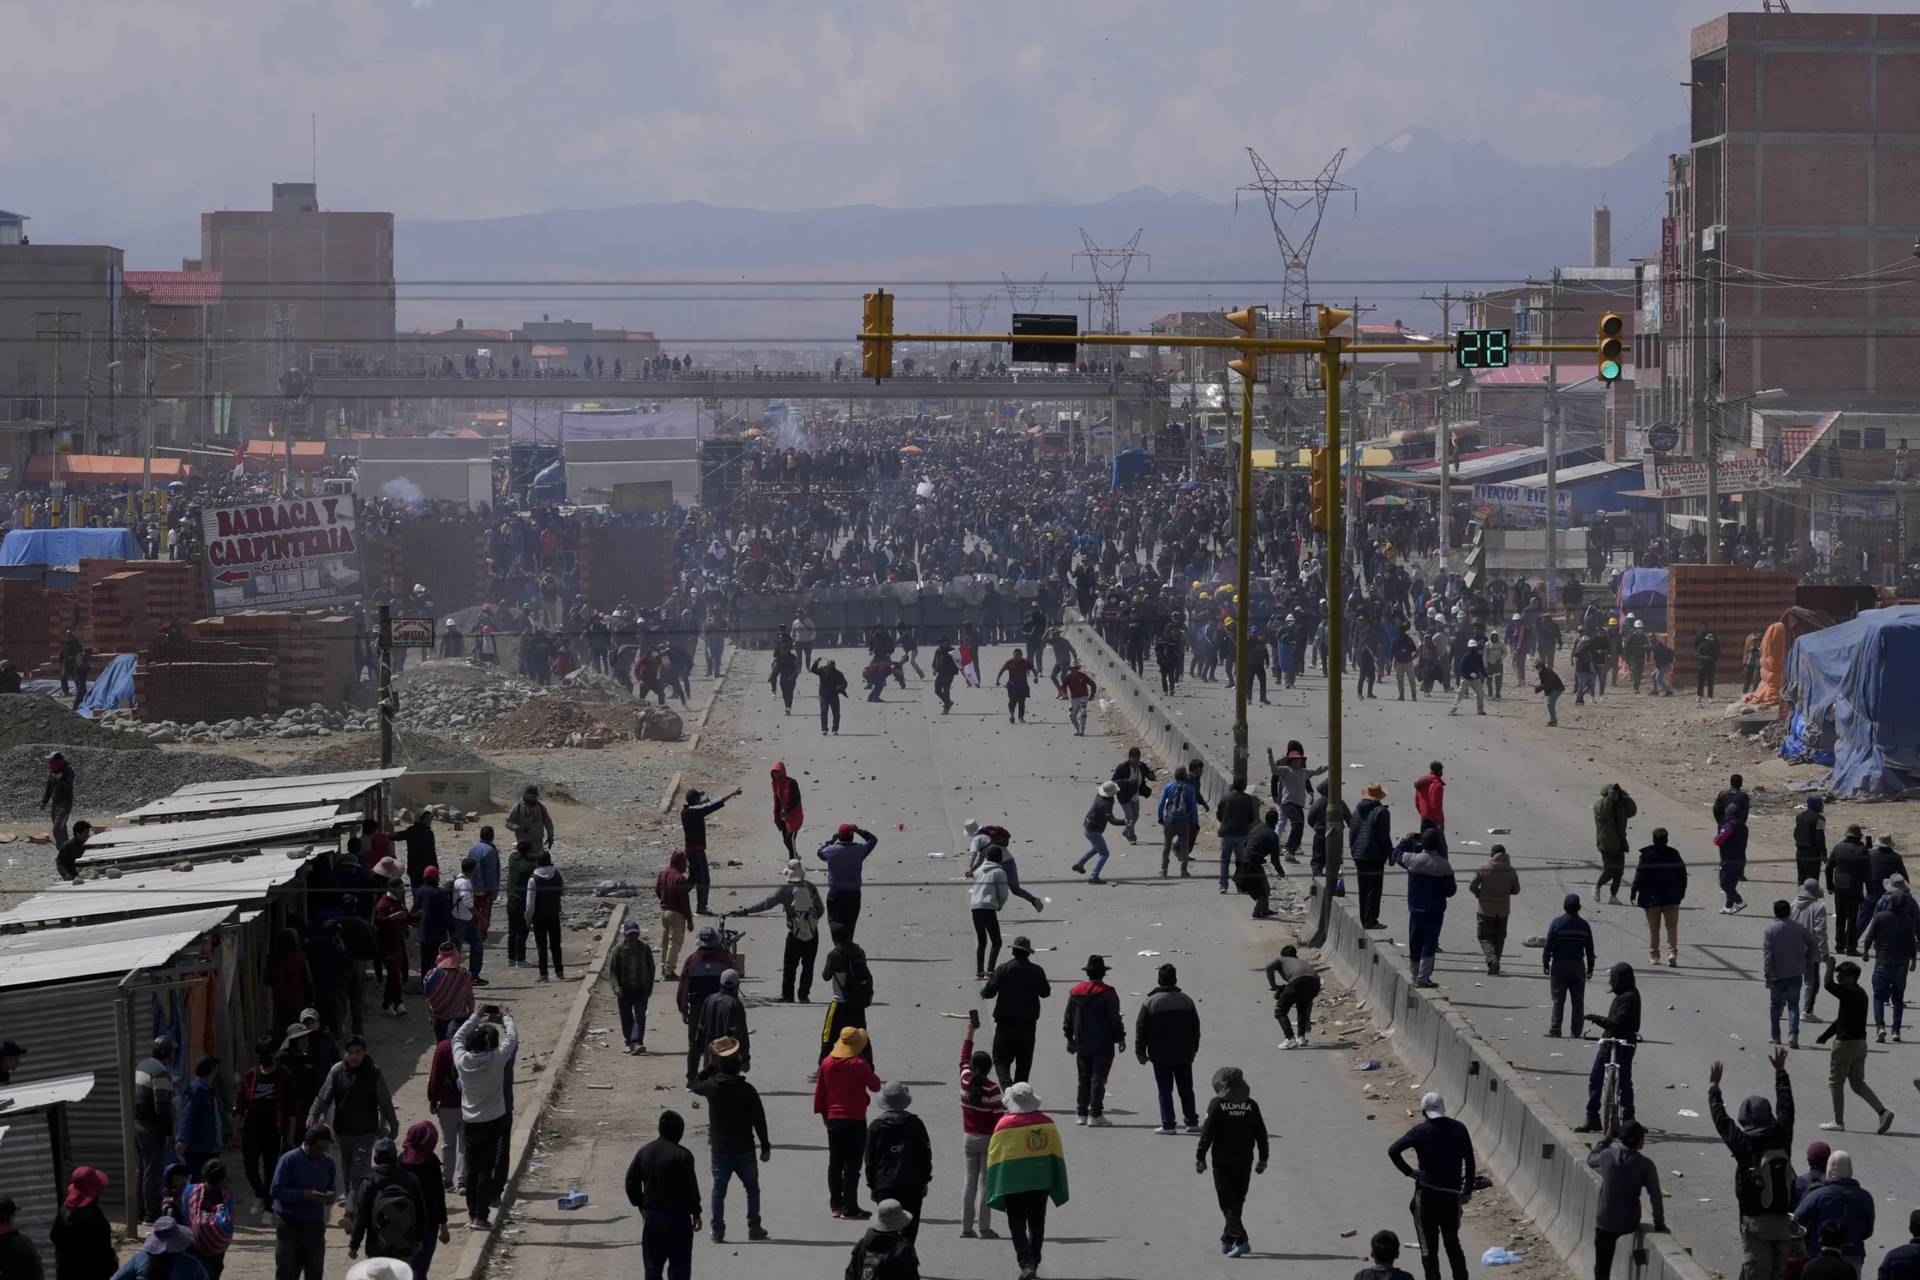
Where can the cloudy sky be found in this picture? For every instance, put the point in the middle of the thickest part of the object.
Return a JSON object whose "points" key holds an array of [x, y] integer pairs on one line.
{"points": [[452, 108]]}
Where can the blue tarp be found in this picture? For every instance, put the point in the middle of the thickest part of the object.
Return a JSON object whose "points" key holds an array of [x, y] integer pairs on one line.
{"points": [[1643, 593], [67, 546], [112, 688], [1857, 679]]}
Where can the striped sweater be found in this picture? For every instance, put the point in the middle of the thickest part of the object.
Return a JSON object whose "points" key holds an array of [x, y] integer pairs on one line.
{"points": [[1025, 1155], [978, 1118]]}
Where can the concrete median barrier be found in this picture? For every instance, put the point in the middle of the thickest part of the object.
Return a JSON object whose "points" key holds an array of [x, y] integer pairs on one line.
{"points": [[1517, 1138]]}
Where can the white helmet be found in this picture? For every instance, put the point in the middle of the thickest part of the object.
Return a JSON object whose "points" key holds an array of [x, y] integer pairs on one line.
{"points": [[419, 588], [1639, 626]]}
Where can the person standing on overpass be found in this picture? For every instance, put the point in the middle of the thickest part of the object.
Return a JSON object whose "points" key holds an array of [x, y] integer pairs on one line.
{"points": [[1443, 1183]]}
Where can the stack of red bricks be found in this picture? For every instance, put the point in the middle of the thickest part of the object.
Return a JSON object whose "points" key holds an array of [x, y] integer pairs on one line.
{"points": [[313, 650], [1730, 600], [447, 557], [118, 613], [191, 680], [27, 637]]}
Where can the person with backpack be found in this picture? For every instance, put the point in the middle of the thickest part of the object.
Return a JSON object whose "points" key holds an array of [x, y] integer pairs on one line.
{"points": [[851, 978], [1236, 1134], [631, 968], [899, 1155], [448, 988], [1096, 1030], [390, 1210], [804, 910], [700, 978], [1762, 1145], [1179, 815], [416, 1154], [886, 1251], [206, 1210]]}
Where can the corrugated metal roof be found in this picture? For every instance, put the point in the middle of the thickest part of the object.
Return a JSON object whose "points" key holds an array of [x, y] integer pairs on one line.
{"points": [[1574, 475], [304, 780], [153, 891], [30, 1095], [206, 835], [101, 950], [291, 793]]}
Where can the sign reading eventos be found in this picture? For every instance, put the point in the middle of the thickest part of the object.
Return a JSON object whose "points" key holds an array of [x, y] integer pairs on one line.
{"points": [[1689, 479], [1516, 506], [282, 554]]}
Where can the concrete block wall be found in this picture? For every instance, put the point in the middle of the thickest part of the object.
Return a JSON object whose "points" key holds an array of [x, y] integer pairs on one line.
{"points": [[448, 557], [1518, 1140], [1730, 599]]}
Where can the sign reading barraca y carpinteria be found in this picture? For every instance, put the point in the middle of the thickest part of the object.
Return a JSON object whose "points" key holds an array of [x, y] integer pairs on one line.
{"points": [[282, 553]]}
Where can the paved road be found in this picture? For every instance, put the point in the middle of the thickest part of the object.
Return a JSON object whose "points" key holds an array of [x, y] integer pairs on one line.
{"points": [[1508, 769], [1138, 1210]]}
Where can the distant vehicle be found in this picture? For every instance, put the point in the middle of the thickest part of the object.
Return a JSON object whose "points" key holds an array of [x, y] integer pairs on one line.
{"points": [[1050, 446]]}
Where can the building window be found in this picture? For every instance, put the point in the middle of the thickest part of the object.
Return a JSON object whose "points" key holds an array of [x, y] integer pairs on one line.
{"points": [[1873, 438]]}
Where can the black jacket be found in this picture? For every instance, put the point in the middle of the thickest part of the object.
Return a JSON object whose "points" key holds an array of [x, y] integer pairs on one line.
{"points": [[1622, 1020], [1660, 878], [1092, 1020], [1732, 805], [1761, 1129], [899, 1155], [1371, 837], [1443, 1151], [1123, 776], [363, 1199], [1882, 863], [547, 895], [1016, 988], [883, 1255], [1847, 867], [1234, 1131], [1809, 836], [1167, 1028], [662, 1176], [736, 1118], [83, 1244]]}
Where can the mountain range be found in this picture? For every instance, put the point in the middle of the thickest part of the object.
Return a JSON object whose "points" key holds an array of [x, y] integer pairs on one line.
{"points": [[1427, 210]]}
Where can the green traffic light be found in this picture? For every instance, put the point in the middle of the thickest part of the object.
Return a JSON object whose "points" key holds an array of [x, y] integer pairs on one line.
{"points": [[1609, 370]]}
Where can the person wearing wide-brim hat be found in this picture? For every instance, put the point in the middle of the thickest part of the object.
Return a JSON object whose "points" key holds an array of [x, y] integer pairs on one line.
{"points": [[887, 1248], [1096, 1030], [840, 1100], [1370, 839], [804, 910], [170, 1240], [1026, 1167]]}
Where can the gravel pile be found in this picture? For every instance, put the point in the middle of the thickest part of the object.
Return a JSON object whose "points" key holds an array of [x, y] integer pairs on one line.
{"points": [[552, 722], [414, 750], [36, 718], [112, 780], [451, 694]]}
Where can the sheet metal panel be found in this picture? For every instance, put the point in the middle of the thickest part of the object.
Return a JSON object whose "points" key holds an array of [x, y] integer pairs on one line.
{"points": [[153, 891], [115, 947], [291, 796], [363, 777], [178, 839]]}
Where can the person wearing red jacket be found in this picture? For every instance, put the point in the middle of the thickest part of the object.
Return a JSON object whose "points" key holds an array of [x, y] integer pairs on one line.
{"points": [[267, 1111], [1077, 687], [788, 815], [443, 1095], [1430, 796], [675, 894], [391, 921], [840, 1099]]}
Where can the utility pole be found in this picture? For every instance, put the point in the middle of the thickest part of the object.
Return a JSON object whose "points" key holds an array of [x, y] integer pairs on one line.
{"points": [[56, 325], [387, 709], [1443, 430], [146, 417], [1351, 475], [1551, 435]]}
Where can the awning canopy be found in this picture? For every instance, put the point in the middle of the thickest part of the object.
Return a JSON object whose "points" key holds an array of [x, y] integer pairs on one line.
{"points": [[271, 455], [103, 469]]}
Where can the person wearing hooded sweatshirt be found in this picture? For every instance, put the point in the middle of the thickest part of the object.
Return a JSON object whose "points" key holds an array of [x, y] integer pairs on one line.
{"points": [[1430, 795], [1810, 839], [886, 1251], [986, 894], [1762, 1146], [723, 1016], [520, 869], [1893, 942], [1848, 866], [700, 979], [1611, 813], [389, 1209], [788, 814], [1370, 842], [1810, 911], [1840, 1199], [1236, 1135], [693, 829], [1624, 1174], [632, 969], [1620, 1022], [544, 890], [1659, 887], [804, 910], [1493, 887], [899, 1154], [1096, 1030], [1567, 959], [673, 891], [1430, 882], [840, 1100], [483, 1053], [1443, 1183]]}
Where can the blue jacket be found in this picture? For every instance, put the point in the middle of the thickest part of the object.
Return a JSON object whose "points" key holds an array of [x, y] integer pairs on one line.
{"points": [[1473, 665], [1430, 881], [1841, 1200], [486, 867], [1177, 803], [295, 1173], [1569, 942], [198, 1123]]}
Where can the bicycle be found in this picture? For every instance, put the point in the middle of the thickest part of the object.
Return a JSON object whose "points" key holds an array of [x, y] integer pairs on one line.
{"points": [[1610, 1086]]}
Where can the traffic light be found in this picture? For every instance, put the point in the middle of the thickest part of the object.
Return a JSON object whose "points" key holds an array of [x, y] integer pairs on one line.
{"points": [[876, 326], [1320, 489], [1611, 345], [1247, 321], [1332, 318]]}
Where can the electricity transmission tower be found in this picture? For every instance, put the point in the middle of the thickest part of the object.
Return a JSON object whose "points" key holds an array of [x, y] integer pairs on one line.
{"points": [[1110, 267], [964, 316], [1024, 296], [1295, 195]]}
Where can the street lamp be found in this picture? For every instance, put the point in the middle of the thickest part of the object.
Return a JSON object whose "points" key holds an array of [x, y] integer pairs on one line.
{"points": [[1713, 461]]}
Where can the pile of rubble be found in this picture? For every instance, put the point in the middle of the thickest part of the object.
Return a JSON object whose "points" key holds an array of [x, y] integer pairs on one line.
{"points": [[313, 721], [444, 694], [549, 722]]}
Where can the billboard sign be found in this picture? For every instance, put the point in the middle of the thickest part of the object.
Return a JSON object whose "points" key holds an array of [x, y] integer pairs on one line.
{"points": [[282, 553], [642, 497], [1688, 479], [1518, 506]]}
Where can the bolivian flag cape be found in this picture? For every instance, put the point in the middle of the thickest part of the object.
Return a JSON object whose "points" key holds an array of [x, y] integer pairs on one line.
{"points": [[1025, 1155]]}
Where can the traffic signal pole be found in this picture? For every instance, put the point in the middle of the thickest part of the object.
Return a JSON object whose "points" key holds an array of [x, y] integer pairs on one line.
{"points": [[1336, 646], [1243, 571]]}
